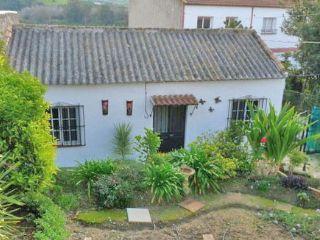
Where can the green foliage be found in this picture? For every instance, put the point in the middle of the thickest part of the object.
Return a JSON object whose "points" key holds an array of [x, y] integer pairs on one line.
{"points": [[303, 21], [66, 201], [165, 182], [122, 140], [49, 218], [303, 198], [147, 145], [87, 173], [228, 149], [263, 185], [24, 129], [233, 23], [281, 131], [207, 172], [8, 203], [297, 158], [113, 192]]}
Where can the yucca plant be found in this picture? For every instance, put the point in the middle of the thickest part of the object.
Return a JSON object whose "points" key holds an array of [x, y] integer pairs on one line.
{"points": [[281, 132], [165, 182], [8, 203], [122, 145]]}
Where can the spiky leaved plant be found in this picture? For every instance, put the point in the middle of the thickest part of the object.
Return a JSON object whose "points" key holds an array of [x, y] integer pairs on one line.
{"points": [[8, 202], [122, 145], [281, 131]]}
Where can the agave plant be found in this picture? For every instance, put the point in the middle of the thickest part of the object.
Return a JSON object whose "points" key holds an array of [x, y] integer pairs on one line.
{"points": [[279, 132], [8, 203]]}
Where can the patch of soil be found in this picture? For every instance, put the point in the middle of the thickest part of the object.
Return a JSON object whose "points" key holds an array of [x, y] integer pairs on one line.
{"points": [[231, 223]]}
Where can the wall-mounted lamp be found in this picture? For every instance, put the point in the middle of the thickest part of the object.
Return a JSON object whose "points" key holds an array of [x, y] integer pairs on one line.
{"points": [[201, 101], [105, 107], [129, 108], [218, 99], [211, 109]]}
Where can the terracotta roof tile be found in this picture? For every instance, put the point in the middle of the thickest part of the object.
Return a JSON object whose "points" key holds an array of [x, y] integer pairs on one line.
{"points": [[243, 3], [174, 100]]}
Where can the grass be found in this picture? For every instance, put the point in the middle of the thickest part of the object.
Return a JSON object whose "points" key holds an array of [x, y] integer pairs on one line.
{"points": [[98, 217], [174, 213]]}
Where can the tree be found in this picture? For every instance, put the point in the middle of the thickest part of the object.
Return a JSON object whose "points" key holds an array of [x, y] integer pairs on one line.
{"points": [[304, 21], [24, 129], [78, 12]]}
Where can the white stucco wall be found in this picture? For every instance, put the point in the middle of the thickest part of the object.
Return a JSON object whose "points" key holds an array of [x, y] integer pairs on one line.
{"points": [[99, 129], [219, 14]]}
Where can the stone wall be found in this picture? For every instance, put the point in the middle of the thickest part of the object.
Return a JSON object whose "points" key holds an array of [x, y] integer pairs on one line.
{"points": [[7, 20]]}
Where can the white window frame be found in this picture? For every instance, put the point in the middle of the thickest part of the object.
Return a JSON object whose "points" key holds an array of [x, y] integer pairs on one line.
{"points": [[78, 127], [269, 25], [203, 20]]}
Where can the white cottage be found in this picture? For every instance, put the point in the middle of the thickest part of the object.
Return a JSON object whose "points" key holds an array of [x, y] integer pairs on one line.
{"points": [[181, 83]]}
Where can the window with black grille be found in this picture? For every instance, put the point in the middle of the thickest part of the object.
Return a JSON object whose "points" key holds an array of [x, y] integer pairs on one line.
{"points": [[67, 125], [239, 108], [204, 22]]}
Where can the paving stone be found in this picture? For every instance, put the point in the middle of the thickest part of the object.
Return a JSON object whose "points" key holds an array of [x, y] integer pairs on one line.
{"points": [[139, 215], [191, 205], [208, 237]]}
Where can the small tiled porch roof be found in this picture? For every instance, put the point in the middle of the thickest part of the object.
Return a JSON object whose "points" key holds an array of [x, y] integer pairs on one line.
{"points": [[174, 100]]}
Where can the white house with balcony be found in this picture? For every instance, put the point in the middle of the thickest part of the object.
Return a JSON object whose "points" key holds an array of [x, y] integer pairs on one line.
{"points": [[266, 17]]}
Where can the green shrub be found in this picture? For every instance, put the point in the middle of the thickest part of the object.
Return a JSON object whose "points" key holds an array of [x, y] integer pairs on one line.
{"points": [[297, 158], [148, 144], [113, 192], [8, 203], [164, 181], [229, 149], [49, 219], [122, 140], [88, 172], [132, 172], [24, 129], [303, 198]]}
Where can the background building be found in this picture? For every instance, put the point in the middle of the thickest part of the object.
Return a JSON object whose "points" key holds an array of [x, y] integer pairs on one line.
{"points": [[264, 16]]}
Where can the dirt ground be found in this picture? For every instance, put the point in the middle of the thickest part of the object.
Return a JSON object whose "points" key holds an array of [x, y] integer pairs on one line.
{"points": [[227, 224]]}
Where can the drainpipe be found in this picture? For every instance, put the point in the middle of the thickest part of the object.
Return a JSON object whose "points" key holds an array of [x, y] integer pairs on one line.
{"points": [[182, 14], [251, 18]]}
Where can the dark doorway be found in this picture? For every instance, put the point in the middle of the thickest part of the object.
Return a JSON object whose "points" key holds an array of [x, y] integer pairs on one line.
{"points": [[170, 122]]}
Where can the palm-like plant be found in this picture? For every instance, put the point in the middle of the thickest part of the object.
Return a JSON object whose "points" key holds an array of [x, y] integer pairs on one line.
{"points": [[8, 203], [165, 182], [122, 140], [282, 132]]}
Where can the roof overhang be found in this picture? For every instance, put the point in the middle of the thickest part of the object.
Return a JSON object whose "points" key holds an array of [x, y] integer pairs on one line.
{"points": [[174, 100]]}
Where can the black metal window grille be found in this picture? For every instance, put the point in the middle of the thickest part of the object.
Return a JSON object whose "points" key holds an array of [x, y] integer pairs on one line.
{"points": [[204, 22], [67, 125], [239, 108]]}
